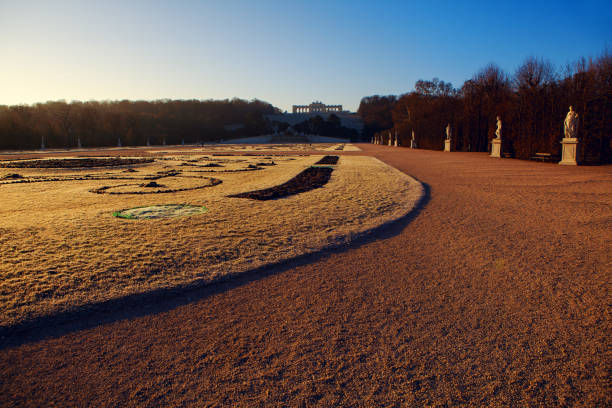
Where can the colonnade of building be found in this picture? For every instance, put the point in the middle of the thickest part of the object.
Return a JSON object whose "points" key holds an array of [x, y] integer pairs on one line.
{"points": [[316, 107]]}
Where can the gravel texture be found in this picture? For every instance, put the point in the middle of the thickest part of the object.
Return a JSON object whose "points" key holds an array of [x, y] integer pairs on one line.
{"points": [[495, 293]]}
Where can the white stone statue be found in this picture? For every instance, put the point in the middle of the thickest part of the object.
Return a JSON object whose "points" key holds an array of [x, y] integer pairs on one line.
{"points": [[570, 125], [499, 127], [413, 136], [447, 141]]}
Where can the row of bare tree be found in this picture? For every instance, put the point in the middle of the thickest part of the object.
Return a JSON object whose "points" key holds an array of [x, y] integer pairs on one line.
{"points": [[60, 124], [532, 104]]}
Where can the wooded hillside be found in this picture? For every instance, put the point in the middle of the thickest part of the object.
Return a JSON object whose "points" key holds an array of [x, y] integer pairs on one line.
{"points": [[132, 123]]}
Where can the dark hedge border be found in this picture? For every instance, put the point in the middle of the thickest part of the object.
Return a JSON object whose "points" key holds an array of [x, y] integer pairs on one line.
{"points": [[225, 170], [309, 179], [35, 179], [42, 179], [328, 160], [262, 155], [73, 163], [201, 165], [102, 190]]}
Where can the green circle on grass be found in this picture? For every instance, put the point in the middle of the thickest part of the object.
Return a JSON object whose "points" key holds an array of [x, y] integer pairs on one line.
{"points": [[152, 212]]}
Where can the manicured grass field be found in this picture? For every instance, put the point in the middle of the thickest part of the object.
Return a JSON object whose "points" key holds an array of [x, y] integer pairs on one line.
{"points": [[62, 248]]}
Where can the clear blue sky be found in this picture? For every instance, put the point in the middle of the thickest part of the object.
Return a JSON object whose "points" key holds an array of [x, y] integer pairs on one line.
{"points": [[284, 52]]}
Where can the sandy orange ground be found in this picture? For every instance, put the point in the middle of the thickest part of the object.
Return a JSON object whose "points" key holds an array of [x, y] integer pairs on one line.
{"points": [[496, 293]]}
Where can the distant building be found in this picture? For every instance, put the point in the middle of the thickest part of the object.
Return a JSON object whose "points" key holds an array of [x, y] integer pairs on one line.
{"points": [[316, 107], [347, 119]]}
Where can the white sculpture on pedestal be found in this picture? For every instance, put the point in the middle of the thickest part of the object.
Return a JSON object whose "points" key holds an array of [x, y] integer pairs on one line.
{"points": [[413, 144], [447, 141], [569, 143], [496, 143]]}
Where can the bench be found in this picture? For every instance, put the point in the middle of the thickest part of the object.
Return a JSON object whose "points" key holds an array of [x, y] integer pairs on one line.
{"points": [[544, 157]]}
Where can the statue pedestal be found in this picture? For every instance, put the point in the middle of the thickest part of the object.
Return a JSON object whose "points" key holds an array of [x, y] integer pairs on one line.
{"points": [[447, 147], [496, 147], [570, 151], [413, 144]]}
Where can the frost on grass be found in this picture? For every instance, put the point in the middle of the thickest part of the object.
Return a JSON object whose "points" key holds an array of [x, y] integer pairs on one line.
{"points": [[160, 211], [61, 248]]}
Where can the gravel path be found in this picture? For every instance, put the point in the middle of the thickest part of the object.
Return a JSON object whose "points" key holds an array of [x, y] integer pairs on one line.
{"points": [[496, 293]]}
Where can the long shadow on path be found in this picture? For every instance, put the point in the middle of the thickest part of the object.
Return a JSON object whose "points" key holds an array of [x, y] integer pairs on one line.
{"points": [[162, 300]]}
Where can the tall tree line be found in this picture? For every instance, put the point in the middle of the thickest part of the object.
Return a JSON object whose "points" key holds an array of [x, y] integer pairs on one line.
{"points": [[532, 104], [90, 124]]}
